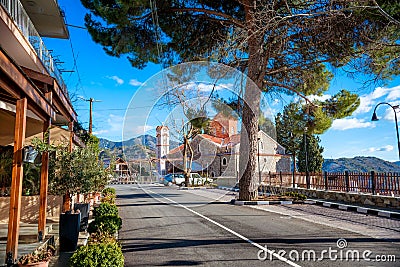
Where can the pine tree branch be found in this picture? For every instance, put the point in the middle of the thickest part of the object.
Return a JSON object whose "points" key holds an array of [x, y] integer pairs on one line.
{"points": [[228, 18]]}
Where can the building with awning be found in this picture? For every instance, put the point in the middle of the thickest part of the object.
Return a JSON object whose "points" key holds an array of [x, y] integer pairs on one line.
{"points": [[33, 95]]}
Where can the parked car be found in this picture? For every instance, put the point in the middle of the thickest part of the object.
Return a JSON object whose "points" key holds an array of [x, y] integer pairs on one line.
{"points": [[194, 178], [179, 179], [170, 179]]}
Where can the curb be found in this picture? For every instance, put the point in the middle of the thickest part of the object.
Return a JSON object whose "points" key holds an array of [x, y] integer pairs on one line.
{"points": [[265, 202], [364, 210], [130, 182], [327, 204], [189, 188], [194, 188], [228, 188]]}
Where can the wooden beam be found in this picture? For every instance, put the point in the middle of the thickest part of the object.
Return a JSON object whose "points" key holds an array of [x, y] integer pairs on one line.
{"points": [[13, 73], [17, 175], [44, 181], [62, 101], [38, 76], [5, 84], [68, 111]]}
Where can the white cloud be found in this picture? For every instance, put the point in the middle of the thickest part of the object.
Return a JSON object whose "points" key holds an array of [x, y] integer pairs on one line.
{"points": [[100, 132], [368, 101], [389, 114], [115, 122], [117, 79], [207, 87], [135, 82], [394, 94], [380, 149], [319, 98], [141, 129], [351, 123]]}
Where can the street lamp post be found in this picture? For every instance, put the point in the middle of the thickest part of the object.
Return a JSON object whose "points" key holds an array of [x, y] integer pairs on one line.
{"points": [[258, 154], [306, 158], [375, 118]]}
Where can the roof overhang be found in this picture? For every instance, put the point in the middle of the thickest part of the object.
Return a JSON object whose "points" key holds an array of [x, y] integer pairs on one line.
{"points": [[47, 18]]}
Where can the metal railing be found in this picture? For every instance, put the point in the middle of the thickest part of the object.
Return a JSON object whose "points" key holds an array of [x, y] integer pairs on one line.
{"points": [[371, 182], [17, 12]]}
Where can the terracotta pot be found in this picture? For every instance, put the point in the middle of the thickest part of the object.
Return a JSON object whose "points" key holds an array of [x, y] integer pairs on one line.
{"points": [[36, 264]]}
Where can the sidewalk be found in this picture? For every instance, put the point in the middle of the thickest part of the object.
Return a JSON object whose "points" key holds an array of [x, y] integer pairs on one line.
{"points": [[28, 242], [351, 207], [27, 239], [62, 258], [366, 209]]}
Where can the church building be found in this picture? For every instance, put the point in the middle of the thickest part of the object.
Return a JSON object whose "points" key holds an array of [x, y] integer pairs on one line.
{"points": [[217, 152]]}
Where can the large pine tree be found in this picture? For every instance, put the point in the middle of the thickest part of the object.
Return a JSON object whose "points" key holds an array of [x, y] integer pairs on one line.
{"points": [[282, 45]]}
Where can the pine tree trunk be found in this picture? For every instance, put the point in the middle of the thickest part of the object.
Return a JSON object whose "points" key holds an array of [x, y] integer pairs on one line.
{"points": [[248, 185]]}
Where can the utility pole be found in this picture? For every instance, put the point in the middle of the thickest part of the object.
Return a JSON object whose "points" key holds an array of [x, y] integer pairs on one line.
{"points": [[90, 100]]}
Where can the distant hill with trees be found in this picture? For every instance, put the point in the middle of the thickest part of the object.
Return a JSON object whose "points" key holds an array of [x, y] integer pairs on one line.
{"points": [[360, 164], [141, 147]]}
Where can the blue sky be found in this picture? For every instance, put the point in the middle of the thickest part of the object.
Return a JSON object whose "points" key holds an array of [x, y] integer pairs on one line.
{"points": [[113, 81]]}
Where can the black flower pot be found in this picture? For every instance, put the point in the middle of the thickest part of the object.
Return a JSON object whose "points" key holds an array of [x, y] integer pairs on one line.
{"points": [[69, 231], [84, 209]]}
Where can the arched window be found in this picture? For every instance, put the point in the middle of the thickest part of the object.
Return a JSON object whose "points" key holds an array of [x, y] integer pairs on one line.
{"points": [[224, 162]]}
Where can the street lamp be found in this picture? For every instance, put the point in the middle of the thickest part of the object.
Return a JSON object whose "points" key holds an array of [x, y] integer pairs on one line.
{"points": [[258, 156], [375, 118], [306, 157]]}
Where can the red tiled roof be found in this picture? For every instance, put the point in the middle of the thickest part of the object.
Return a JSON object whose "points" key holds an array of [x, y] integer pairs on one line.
{"points": [[176, 149], [232, 140], [212, 138]]}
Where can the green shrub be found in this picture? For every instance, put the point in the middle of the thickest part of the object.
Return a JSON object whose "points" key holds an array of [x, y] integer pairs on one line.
{"points": [[105, 225], [103, 254], [108, 199], [105, 209], [109, 191]]}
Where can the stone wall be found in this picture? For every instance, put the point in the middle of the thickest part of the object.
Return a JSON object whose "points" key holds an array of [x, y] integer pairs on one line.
{"points": [[30, 208], [348, 197]]}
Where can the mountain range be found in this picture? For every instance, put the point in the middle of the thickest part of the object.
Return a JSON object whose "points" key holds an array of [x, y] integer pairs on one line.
{"points": [[140, 147], [144, 146], [360, 164]]}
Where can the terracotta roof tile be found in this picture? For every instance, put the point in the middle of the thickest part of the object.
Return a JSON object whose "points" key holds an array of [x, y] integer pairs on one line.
{"points": [[176, 149], [212, 138]]}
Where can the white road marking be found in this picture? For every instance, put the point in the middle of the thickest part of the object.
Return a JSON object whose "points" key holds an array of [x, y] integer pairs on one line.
{"points": [[279, 257]]}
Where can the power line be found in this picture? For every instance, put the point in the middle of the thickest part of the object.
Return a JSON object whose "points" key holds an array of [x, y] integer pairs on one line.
{"points": [[107, 109], [76, 26], [75, 60]]}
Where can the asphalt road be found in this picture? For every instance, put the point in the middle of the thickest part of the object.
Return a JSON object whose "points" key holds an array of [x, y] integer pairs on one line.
{"points": [[164, 226]]}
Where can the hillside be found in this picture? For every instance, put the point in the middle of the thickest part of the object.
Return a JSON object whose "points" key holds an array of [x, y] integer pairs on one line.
{"points": [[360, 164], [140, 147]]}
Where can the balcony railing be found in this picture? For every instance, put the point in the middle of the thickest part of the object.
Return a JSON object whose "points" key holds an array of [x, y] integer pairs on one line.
{"points": [[17, 12]]}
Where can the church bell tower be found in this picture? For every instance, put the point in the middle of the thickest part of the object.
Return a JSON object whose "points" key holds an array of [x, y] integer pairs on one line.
{"points": [[162, 148]]}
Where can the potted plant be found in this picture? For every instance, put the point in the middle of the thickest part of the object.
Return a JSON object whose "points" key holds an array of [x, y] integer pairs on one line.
{"points": [[37, 258]]}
